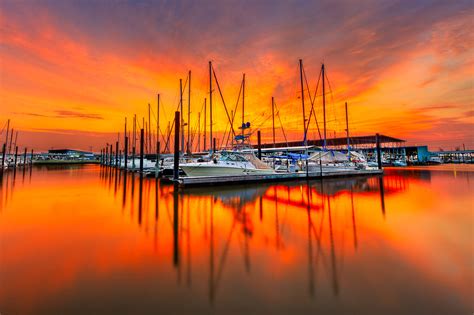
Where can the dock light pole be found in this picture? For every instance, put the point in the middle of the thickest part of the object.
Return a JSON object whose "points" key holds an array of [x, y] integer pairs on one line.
{"points": [[141, 151], [176, 146], [379, 155]]}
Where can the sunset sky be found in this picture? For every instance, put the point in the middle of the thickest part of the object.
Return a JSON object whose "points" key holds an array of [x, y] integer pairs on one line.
{"points": [[70, 71]]}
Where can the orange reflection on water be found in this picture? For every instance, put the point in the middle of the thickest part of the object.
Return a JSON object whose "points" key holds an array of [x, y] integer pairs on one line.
{"points": [[91, 239]]}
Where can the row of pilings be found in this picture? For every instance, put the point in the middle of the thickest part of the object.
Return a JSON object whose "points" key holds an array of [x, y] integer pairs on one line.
{"points": [[113, 157]]}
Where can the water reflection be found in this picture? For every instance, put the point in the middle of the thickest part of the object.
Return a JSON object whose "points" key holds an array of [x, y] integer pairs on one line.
{"points": [[311, 196], [223, 247]]}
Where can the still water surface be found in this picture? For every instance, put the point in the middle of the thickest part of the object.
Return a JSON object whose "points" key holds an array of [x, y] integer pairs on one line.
{"points": [[90, 240]]}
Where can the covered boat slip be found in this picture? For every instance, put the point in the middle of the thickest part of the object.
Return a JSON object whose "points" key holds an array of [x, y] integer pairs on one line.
{"points": [[273, 177]]}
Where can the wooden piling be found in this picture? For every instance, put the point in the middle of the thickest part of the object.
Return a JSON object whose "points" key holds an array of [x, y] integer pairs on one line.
{"points": [[379, 155], [24, 158], [111, 155], [116, 154], [157, 171], [213, 145], [142, 138], [31, 161], [106, 161], [16, 155], [176, 145], [259, 145], [133, 158], [125, 153], [3, 156]]}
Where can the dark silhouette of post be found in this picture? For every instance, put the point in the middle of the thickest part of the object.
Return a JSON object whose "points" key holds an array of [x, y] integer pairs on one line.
{"points": [[125, 153], [24, 158], [3, 156], [141, 150], [16, 155], [116, 154], [259, 145], [31, 160], [176, 145], [157, 171], [110, 155], [379, 155], [214, 145], [133, 158]]}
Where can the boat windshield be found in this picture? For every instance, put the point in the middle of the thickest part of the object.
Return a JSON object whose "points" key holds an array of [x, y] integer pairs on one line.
{"points": [[233, 157]]}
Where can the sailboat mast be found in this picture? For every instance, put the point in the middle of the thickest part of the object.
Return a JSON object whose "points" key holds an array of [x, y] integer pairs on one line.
{"points": [[210, 104], [149, 129], [199, 133], [158, 120], [347, 133], [273, 120], [11, 139], [189, 111], [205, 115], [302, 102], [125, 133], [181, 110], [243, 105], [8, 128], [324, 102]]}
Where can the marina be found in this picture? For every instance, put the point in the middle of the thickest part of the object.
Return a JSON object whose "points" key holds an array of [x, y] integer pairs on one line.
{"points": [[236, 157]]}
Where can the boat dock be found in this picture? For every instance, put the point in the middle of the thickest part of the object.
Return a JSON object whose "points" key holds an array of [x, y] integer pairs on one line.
{"points": [[258, 178]]}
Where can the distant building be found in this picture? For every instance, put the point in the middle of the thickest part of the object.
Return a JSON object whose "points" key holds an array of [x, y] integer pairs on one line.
{"points": [[72, 153]]}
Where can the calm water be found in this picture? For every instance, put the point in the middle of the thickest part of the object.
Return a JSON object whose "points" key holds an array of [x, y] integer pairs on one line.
{"points": [[90, 241]]}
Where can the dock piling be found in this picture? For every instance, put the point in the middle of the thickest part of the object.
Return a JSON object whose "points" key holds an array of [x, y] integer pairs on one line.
{"points": [[116, 154], [16, 156], [125, 153], [141, 150], [24, 158], [379, 155], [259, 145], [157, 171], [176, 146], [3, 156]]}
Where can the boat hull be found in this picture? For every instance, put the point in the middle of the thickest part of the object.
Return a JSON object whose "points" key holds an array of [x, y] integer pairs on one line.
{"points": [[204, 170]]}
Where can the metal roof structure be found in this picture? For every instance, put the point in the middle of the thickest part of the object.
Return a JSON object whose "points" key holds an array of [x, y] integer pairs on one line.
{"points": [[358, 140], [67, 151]]}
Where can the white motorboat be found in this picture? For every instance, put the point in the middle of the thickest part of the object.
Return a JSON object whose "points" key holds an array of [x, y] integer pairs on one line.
{"points": [[333, 161], [228, 163]]}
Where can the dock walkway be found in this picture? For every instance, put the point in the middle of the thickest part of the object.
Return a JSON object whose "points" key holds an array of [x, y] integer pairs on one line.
{"points": [[253, 178]]}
